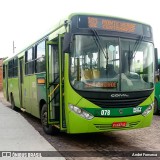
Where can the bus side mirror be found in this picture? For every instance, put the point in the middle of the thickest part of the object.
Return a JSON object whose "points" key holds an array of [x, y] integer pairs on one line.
{"points": [[66, 43], [156, 59]]}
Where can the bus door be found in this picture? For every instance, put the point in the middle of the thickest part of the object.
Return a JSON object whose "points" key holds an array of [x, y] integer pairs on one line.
{"points": [[54, 82], [21, 79]]}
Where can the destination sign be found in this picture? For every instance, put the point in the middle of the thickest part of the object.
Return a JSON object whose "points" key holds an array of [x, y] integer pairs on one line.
{"points": [[101, 84], [113, 24]]}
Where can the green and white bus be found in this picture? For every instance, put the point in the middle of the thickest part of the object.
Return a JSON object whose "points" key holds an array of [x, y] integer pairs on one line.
{"points": [[91, 73]]}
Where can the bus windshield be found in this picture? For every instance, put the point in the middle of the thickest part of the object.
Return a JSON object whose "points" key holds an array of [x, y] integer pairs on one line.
{"points": [[111, 64]]}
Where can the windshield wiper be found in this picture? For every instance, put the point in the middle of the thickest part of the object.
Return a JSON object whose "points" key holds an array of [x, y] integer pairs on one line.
{"points": [[136, 46], [98, 41]]}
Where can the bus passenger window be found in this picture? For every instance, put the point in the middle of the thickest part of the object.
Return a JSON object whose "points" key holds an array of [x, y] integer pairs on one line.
{"points": [[40, 58], [29, 61]]}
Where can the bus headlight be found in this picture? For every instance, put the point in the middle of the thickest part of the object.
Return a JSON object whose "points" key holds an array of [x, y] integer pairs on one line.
{"points": [[81, 112], [148, 110]]}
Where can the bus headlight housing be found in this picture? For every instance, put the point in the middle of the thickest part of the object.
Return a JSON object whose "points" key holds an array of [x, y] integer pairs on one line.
{"points": [[148, 110], [81, 112]]}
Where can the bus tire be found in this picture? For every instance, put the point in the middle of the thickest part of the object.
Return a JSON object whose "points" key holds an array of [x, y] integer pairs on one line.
{"points": [[48, 129], [155, 111]]}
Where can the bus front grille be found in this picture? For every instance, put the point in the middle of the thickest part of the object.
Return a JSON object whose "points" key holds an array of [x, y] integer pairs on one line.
{"points": [[106, 127], [118, 103]]}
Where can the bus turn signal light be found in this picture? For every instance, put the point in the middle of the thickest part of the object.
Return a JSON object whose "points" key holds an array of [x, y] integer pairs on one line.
{"points": [[41, 81]]}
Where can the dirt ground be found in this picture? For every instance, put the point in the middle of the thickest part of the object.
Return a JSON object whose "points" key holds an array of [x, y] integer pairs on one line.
{"points": [[99, 146]]}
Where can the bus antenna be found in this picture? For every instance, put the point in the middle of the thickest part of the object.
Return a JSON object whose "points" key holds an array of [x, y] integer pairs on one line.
{"points": [[13, 48]]}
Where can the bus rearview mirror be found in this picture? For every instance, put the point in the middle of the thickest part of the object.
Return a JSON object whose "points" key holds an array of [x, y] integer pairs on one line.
{"points": [[66, 43], [156, 59]]}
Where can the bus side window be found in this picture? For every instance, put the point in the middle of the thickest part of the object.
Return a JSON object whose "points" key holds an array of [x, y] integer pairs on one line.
{"points": [[29, 61], [55, 63], [40, 57]]}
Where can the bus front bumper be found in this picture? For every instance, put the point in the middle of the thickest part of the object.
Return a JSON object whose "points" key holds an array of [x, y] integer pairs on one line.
{"points": [[78, 124]]}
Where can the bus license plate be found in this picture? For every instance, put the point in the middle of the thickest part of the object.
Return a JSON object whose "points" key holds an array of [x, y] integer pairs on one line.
{"points": [[119, 124]]}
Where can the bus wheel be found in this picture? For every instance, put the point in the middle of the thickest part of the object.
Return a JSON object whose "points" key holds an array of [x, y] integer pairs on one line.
{"points": [[48, 129], [155, 106]]}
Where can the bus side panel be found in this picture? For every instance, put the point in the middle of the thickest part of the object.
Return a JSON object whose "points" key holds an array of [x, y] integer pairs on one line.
{"points": [[41, 89], [30, 95], [13, 87], [34, 103], [5, 80], [27, 94], [4, 88]]}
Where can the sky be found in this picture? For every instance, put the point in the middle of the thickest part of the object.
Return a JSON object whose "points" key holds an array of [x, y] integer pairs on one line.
{"points": [[25, 21]]}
